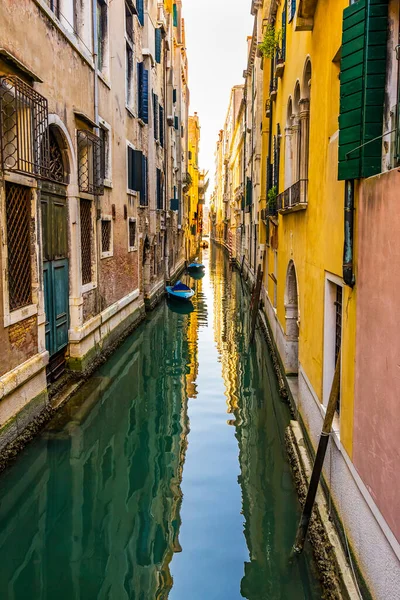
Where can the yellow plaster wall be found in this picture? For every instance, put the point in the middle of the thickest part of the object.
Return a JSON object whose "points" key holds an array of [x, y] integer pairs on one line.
{"points": [[313, 238]]}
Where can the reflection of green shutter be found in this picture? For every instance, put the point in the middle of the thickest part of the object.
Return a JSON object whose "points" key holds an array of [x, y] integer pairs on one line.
{"points": [[362, 88], [175, 16]]}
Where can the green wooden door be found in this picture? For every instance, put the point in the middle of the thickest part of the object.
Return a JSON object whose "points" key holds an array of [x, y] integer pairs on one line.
{"points": [[55, 269]]}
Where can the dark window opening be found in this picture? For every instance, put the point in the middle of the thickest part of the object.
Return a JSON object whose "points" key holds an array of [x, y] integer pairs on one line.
{"points": [[101, 33]]}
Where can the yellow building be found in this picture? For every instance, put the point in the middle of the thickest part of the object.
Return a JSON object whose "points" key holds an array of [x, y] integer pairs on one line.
{"points": [[300, 142], [192, 187]]}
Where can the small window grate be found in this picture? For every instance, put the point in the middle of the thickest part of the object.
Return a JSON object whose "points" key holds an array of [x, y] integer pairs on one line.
{"points": [[23, 128], [86, 240], [90, 174], [18, 242], [132, 233], [105, 235]]}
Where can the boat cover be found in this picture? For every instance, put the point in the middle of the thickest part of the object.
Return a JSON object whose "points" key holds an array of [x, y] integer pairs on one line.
{"points": [[180, 287]]}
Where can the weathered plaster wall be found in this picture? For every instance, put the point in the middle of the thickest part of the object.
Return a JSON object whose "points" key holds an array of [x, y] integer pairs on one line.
{"points": [[376, 451]]}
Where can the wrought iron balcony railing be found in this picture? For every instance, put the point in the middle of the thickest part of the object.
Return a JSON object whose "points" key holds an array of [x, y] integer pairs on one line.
{"points": [[293, 198], [24, 128]]}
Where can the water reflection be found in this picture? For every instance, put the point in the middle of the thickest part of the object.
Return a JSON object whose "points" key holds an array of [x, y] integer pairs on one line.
{"points": [[117, 500], [91, 510]]}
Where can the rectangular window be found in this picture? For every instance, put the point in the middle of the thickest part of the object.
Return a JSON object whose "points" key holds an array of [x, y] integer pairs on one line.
{"points": [[283, 43], [106, 237], [18, 203], [129, 12], [143, 187], [174, 95], [176, 123], [89, 165], [332, 333], [86, 240], [129, 75], [175, 13], [102, 27], [131, 234], [105, 158], [134, 169], [338, 329]]}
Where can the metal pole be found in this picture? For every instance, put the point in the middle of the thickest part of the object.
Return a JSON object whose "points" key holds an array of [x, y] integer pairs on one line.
{"points": [[319, 461]]}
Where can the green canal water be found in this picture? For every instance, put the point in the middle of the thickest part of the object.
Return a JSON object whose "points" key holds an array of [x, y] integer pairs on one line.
{"points": [[165, 476]]}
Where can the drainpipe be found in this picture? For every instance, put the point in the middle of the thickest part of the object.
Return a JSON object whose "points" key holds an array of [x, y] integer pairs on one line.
{"points": [[348, 273], [96, 120], [95, 53]]}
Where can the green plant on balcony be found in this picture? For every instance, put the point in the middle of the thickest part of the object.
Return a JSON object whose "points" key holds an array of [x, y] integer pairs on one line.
{"points": [[271, 200], [271, 41]]}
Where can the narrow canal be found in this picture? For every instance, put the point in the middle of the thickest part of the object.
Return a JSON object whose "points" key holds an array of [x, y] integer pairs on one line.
{"points": [[165, 476]]}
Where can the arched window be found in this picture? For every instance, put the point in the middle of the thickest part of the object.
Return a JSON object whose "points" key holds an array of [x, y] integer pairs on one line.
{"points": [[292, 318], [288, 145], [305, 121], [58, 166]]}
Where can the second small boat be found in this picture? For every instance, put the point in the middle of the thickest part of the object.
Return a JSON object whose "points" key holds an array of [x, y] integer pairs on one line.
{"points": [[179, 291]]}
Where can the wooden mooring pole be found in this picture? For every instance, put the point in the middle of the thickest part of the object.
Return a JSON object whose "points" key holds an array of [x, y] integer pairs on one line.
{"points": [[302, 529], [255, 302]]}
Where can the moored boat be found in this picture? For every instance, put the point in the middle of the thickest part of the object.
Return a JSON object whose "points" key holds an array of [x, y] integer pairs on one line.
{"points": [[195, 266], [180, 291]]}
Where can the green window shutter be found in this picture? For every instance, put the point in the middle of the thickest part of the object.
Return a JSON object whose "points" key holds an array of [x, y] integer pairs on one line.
{"points": [[362, 88], [175, 15]]}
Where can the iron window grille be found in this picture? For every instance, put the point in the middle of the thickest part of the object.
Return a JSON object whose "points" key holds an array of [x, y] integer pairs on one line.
{"points": [[338, 330], [90, 176], [86, 240], [106, 235], [132, 234], [24, 128], [18, 201]]}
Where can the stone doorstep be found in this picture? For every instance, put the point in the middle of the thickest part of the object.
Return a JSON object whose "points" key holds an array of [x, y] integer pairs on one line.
{"points": [[348, 589]]}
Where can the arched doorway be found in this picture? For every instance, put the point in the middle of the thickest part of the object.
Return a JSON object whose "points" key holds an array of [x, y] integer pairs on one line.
{"points": [[292, 319], [54, 213]]}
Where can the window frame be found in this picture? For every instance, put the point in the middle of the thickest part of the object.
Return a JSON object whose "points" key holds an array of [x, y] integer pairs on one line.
{"points": [[106, 253], [10, 317], [135, 247], [107, 151]]}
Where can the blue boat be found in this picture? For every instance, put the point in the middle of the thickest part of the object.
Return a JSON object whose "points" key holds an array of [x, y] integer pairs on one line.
{"points": [[179, 291], [196, 266]]}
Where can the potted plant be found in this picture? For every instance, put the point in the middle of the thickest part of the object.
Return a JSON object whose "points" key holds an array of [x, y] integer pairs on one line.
{"points": [[271, 42]]}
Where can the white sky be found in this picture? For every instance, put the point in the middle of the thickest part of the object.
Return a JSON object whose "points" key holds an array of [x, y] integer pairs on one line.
{"points": [[216, 33]]}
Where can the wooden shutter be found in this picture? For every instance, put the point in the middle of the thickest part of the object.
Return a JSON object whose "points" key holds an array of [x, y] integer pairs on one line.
{"points": [[143, 92], [284, 12], [155, 116], [158, 45], [176, 123], [134, 169], [161, 125], [159, 189], [362, 88], [143, 186], [175, 11], [140, 11]]}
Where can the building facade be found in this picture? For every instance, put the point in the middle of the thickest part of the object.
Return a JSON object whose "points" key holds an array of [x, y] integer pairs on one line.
{"points": [[94, 125], [320, 160]]}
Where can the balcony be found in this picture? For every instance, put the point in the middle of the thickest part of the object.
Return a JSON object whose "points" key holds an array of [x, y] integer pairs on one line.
{"points": [[294, 198], [273, 88]]}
